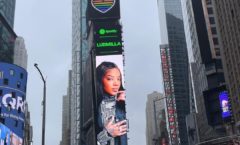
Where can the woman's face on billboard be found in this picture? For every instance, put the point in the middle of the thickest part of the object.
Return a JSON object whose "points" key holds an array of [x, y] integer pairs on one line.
{"points": [[112, 81]]}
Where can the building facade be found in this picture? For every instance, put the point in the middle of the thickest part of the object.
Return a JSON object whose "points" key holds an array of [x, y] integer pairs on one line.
{"points": [[20, 53], [177, 63], [228, 24], [7, 9], [156, 128], [66, 114], [7, 39], [79, 51]]}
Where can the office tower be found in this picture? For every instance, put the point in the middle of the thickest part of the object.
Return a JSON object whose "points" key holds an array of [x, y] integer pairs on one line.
{"points": [[7, 38], [228, 21], [66, 114], [175, 69], [79, 50], [7, 9], [155, 119], [198, 128], [20, 53]]}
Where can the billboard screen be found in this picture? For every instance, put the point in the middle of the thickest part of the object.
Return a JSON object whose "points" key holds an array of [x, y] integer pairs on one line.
{"points": [[112, 124], [7, 137], [103, 9], [107, 38], [224, 104], [13, 81]]}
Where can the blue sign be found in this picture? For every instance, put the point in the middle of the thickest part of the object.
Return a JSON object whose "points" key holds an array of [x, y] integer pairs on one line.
{"points": [[13, 81], [224, 103]]}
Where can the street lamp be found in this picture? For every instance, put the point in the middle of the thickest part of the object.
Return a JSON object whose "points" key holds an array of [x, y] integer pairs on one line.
{"points": [[44, 104]]}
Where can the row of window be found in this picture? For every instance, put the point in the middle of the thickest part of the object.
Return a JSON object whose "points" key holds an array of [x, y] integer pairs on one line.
{"points": [[18, 85], [12, 73]]}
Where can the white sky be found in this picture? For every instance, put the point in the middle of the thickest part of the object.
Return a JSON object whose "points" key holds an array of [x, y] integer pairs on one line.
{"points": [[46, 27]]}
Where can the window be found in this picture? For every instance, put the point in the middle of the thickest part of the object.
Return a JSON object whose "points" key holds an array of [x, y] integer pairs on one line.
{"points": [[214, 30], [209, 2], [21, 75], [211, 20], [5, 81], [215, 41], [1, 74], [210, 10], [13, 94], [11, 72], [18, 84]]}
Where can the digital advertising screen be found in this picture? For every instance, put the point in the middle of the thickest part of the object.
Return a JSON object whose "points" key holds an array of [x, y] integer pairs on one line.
{"points": [[103, 9], [112, 125], [108, 38], [224, 103], [13, 81], [8, 137]]}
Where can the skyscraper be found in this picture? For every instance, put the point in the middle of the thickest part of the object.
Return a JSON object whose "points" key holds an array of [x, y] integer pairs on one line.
{"points": [[228, 21], [175, 69], [7, 9], [195, 30], [66, 113], [155, 118], [79, 51], [20, 53], [7, 38]]}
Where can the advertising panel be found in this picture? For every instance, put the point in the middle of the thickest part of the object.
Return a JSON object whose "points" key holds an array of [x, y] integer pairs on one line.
{"points": [[7, 137], [107, 38], [170, 98], [13, 81], [224, 103], [112, 125], [103, 9]]}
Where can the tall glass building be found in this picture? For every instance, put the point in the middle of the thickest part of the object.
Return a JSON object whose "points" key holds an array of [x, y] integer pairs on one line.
{"points": [[7, 39], [79, 52], [7, 9], [170, 12]]}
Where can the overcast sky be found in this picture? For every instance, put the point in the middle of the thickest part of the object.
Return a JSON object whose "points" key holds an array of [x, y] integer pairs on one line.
{"points": [[46, 27]]}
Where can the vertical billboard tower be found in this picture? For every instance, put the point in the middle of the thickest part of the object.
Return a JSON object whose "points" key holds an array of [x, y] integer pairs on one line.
{"points": [[105, 36], [13, 80]]}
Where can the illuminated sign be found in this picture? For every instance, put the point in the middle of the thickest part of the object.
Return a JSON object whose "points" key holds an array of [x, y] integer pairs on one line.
{"points": [[111, 100], [169, 92], [102, 5], [7, 137], [103, 9], [224, 103], [13, 83], [107, 38]]}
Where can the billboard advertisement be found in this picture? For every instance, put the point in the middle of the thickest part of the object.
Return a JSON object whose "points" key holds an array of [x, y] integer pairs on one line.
{"points": [[224, 104], [112, 125], [13, 80], [107, 38], [103, 9], [169, 93], [7, 137]]}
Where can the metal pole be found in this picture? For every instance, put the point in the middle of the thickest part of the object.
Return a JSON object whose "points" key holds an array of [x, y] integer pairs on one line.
{"points": [[44, 105]]}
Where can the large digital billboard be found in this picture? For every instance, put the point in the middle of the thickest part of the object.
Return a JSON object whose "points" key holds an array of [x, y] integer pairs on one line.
{"points": [[107, 38], [224, 103], [13, 80], [112, 125], [103, 9], [7, 137]]}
